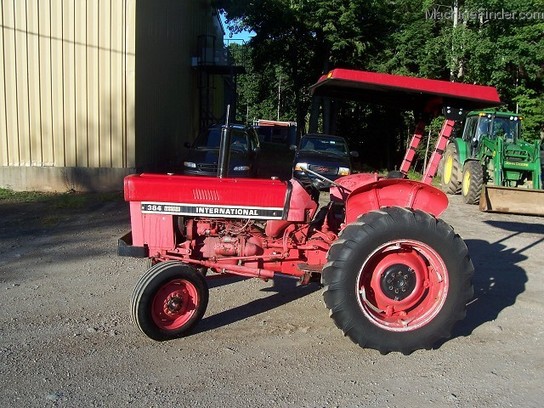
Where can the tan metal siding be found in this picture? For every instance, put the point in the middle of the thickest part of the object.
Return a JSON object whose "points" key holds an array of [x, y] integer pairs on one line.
{"points": [[81, 90], [130, 90], [67, 70], [93, 88], [45, 101], [3, 122], [10, 85], [34, 111], [57, 92]]}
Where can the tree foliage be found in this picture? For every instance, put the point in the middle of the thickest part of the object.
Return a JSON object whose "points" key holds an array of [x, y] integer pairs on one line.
{"points": [[493, 42]]}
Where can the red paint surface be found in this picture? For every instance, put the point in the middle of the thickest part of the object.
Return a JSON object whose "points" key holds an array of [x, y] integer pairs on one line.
{"points": [[403, 91], [395, 192], [205, 190]]}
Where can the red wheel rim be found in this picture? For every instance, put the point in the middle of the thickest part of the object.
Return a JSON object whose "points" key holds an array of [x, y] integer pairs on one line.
{"points": [[174, 304], [402, 285]]}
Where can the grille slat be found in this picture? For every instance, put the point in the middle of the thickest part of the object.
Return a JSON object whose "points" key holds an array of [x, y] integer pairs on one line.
{"points": [[325, 170]]}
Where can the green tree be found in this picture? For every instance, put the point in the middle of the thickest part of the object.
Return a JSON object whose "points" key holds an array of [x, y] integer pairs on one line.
{"points": [[303, 39], [306, 38]]}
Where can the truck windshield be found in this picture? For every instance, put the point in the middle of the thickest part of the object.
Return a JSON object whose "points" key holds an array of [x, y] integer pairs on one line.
{"points": [[323, 145], [212, 139]]}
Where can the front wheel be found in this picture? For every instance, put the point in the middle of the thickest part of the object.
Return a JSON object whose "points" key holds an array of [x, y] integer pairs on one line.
{"points": [[169, 299], [473, 180], [397, 280]]}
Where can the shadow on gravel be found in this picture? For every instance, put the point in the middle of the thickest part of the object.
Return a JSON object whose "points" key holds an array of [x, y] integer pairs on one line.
{"points": [[56, 229], [220, 280], [498, 280], [286, 290]]}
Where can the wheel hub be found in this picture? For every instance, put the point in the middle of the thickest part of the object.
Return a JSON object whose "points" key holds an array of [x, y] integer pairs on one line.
{"points": [[398, 281], [174, 304]]}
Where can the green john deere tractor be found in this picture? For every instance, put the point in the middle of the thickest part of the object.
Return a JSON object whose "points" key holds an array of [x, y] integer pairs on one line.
{"points": [[491, 154]]}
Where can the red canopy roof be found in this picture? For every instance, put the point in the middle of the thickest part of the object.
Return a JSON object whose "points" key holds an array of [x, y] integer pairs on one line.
{"points": [[404, 92]]}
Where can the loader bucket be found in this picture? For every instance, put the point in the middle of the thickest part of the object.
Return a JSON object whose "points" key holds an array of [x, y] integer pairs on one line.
{"points": [[512, 200]]}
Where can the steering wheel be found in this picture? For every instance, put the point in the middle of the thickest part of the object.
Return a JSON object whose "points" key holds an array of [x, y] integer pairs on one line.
{"points": [[319, 176], [328, 180]]}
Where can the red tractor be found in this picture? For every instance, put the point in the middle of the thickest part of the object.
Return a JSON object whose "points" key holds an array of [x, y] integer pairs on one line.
{"points": [[395, 277]]}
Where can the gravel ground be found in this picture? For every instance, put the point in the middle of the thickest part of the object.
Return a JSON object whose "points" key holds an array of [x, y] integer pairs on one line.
{"points": [[66, 338]]}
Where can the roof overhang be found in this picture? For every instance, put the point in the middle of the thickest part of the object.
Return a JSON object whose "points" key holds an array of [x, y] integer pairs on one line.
{"points": [[403, 92]]}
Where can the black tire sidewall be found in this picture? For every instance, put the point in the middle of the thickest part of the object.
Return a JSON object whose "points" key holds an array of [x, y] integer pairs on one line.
{"points": [[146, 289], [474, 168], [418, 227], [453, 186]]}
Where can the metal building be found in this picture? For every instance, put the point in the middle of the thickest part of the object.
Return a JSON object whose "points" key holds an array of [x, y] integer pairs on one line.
{"points": [[92, 90]]}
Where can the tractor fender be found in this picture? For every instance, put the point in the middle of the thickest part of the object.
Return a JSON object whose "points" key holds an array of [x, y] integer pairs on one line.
{"points": [[395, 192], [463, 149]]}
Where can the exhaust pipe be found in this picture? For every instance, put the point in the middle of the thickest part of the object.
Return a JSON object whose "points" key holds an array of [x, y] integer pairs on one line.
{"points": [[224, 149]]}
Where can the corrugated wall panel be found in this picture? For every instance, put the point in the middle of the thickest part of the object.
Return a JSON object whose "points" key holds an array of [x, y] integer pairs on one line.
{"points": [[69, 67], [10, 81], [57, 84], [45, 102], [35, 120], [21, 62], [93, 88], [81, 96], [117, 77], [67, 91], [3, 99], [130, 80], [104, 74]]}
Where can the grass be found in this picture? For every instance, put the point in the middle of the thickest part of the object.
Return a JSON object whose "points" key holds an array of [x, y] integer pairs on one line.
{"points": [[22, 196], [69, 200]]}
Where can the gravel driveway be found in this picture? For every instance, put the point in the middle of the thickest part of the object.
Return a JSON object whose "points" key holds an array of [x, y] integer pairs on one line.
{"points": [[66, 338]]}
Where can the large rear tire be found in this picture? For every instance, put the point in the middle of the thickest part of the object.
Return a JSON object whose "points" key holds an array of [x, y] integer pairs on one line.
{"points": [[397, 280], [169, 300], [451, 171], [473, 180]]}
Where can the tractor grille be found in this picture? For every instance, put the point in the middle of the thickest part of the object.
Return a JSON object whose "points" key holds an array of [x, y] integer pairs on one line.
{"points": [[324, 170], [517, 156], [208, 168]]}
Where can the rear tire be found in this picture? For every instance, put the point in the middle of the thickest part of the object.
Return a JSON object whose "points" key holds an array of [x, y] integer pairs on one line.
{"points": [[397, 280], [451, 171], [169, 300], [473, 179]]}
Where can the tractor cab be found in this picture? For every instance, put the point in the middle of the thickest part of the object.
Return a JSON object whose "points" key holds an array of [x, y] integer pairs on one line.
{"points": [[491, 124]]}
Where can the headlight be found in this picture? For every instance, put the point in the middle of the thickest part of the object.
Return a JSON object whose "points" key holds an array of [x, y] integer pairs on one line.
{"points": [[301, 166], [241, 168], [191, 165], [343, 171]]}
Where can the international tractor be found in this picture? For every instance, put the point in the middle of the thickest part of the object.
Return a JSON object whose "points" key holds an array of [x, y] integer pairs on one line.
{"points": [[395, 276], [491, 158]]}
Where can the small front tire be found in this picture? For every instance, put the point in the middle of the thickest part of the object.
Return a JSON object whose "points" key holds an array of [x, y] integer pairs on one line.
{"points": [[473, 180], [169, 300]]}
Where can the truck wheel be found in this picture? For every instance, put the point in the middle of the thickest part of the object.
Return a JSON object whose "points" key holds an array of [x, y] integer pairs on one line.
{"points": [[169, 299], [451, 171], [473, 179], [397, 280]]}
